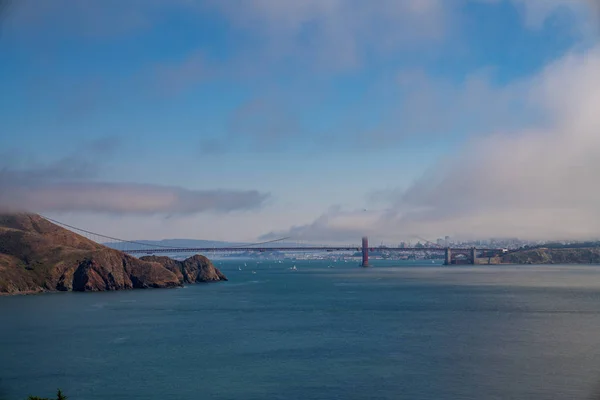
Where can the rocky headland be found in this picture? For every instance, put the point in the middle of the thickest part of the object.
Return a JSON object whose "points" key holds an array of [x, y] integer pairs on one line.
{"points": [[195, 269], [554, 256], [545, 255], [37, 256]]}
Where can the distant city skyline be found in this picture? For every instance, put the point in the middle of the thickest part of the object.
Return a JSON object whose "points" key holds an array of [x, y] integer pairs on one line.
{"points": [[320, 120]]}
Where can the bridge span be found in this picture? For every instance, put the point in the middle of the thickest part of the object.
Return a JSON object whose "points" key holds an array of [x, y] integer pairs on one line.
{"points": [[470, 254]]}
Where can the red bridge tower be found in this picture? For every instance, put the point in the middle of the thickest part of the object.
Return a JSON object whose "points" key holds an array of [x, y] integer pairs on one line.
{"points": [[365, 252]]}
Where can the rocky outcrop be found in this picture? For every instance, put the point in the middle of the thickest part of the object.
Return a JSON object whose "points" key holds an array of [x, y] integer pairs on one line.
{"points": [[194, 269], [36, 255], [109, 271]]}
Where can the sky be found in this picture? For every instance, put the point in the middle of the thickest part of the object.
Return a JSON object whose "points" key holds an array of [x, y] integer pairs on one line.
{"points": [[322, 120]]}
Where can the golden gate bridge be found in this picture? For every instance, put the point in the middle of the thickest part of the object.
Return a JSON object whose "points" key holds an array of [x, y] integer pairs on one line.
{"points": [[134, 247]]}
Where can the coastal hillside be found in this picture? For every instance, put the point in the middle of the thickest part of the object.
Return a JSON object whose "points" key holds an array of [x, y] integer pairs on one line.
{"points": [[554, 256], [37, 255], [547, 255]]}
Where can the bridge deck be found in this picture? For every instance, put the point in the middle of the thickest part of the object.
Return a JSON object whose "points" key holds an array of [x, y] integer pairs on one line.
{"points": [[289, 249]]}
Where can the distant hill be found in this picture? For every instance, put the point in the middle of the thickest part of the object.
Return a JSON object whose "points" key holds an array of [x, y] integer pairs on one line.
{"points": [[545, 255], [561, 255], [194, 243], [37, 255], [179, 243]]}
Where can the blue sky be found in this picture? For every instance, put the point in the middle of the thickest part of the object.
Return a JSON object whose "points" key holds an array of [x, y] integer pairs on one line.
{"points": [[239, 120]]}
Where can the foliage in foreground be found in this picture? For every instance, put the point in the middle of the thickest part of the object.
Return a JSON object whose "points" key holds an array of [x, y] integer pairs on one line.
{"points": [[59, 396]]}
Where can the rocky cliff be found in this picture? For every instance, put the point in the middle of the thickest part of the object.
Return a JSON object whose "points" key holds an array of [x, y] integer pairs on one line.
{"points": [[37, 255], [194, 269]]}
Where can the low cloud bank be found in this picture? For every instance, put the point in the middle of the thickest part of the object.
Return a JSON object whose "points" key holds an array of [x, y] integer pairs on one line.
{"points": [[41, 191], [533, 183]]}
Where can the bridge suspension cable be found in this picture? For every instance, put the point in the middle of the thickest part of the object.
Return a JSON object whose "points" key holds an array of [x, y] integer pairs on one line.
{"points": [[105, 236], [148, 244]]}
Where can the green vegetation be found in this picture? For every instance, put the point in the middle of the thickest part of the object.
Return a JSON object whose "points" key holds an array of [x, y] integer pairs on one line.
{"points": [[579, 245], [554, 255], [59, 396]]}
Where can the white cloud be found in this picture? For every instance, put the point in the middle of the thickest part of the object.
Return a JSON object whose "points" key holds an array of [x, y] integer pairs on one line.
{"points": [[343, 24], [535, 183], [329, 35], [327, 32], [335, 225], [339, 33], [67, 186], [433, 106], [113, 198], [537, 12]]}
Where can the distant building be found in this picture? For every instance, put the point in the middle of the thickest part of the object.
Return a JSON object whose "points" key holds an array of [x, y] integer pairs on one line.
{"points": [[440, 242], [447, 241]]}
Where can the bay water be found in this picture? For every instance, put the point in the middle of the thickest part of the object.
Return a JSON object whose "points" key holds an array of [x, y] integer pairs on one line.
{"points": [[398, 330]]}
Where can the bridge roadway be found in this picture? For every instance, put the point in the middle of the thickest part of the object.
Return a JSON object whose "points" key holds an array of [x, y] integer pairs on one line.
{"points": [[311, 248]]}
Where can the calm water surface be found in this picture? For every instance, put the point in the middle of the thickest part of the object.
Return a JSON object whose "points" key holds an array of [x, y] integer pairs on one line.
{"points": [[409, 332]]}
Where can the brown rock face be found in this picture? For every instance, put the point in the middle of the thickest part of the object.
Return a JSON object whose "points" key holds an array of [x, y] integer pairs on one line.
{"points": [[115, 271], [194, 269], [168, 263], [36, 255]]}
